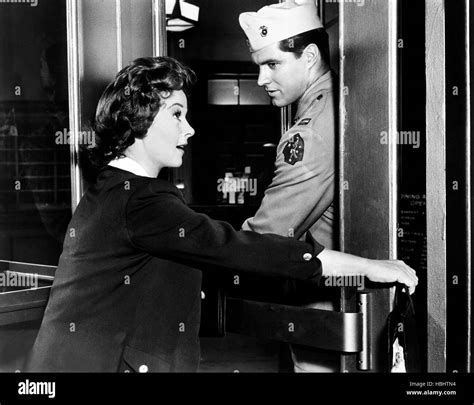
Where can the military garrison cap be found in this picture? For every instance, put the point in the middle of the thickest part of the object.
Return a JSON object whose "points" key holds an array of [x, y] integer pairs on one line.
{"points": [[280, 21]]}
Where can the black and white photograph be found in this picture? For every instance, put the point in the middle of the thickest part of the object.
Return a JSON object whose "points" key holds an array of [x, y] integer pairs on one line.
{"points": [[199, 191]]}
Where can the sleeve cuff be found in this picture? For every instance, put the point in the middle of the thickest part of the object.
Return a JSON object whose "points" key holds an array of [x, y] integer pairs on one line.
{"points": [[316, 249]]}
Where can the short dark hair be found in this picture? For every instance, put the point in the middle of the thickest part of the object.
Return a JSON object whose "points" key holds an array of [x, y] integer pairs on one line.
{"points": [[130, 103], [298, 43]]}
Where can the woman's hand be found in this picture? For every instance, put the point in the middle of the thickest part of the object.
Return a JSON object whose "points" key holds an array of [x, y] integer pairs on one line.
{"points": [[392, 271], [380, 271]]}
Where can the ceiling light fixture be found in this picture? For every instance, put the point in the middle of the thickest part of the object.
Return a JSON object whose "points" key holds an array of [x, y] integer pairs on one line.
{"points": [[180, 15]]}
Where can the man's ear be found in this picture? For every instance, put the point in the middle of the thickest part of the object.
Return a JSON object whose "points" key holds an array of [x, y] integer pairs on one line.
{"points": [[312, 55]]}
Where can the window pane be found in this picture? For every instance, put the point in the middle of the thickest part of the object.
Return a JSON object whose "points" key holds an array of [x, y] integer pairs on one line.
{"points": [[35, 202]]}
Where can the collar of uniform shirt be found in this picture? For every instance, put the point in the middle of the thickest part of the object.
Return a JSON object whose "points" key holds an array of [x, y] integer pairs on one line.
{"points": [[129, 165], [308, 97]]}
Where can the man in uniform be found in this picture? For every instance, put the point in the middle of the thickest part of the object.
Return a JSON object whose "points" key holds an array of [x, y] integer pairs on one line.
{"points": [[289, 44]]}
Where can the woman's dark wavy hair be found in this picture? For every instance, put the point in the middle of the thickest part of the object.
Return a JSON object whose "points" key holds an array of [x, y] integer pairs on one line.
{"points": [[130, 103]]}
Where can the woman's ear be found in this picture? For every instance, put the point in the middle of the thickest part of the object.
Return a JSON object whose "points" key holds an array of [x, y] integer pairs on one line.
{"points": [[312, 55]]}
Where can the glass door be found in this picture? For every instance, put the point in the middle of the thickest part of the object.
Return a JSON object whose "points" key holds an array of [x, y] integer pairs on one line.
{"points": [[35, 176]]}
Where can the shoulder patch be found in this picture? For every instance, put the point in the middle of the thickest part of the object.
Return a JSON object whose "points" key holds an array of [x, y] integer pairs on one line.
{"points": [[304, 121], [294, 150]]}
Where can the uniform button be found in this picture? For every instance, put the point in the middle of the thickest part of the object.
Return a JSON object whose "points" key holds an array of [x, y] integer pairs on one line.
{"points": [[307, 256], [203, 295], [143, 369]]}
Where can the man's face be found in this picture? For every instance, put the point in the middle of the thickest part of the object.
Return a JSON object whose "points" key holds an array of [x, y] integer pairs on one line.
{"points": [[284, 77]]}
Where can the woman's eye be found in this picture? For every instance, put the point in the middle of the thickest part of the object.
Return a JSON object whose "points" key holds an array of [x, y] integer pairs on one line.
{"points": [[178, 114], [272, 65]]}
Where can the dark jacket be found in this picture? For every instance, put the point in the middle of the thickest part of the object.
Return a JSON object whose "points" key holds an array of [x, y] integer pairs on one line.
{"points": [[126, 295]]}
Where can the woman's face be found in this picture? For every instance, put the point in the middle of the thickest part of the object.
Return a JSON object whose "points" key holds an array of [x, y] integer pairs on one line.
{"points": [[167, 137]]}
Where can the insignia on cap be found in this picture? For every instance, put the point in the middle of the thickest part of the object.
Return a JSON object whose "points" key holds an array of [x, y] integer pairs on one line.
{"points": [[294, 150], [304, 121], [263, 31]]}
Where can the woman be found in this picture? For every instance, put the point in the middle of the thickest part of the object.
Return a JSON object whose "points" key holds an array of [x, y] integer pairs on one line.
{"points": [[126, 295]]}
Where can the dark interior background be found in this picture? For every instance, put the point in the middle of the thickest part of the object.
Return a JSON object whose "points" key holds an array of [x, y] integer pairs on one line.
{"points": [[35, 182]]}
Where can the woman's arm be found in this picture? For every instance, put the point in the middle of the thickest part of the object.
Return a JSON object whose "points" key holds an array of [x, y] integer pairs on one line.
{"points": [[380, 271], [159, 223]]}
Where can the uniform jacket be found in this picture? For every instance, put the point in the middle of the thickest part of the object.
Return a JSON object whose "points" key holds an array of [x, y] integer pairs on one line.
{"points": [[300, 197], [126, 294]]}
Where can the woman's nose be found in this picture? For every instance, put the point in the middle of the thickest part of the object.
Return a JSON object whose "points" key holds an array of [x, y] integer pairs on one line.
{"points": [[189, 132]]}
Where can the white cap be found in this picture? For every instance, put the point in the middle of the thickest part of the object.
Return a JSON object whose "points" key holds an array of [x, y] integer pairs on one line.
{"points": [[276, 22]]}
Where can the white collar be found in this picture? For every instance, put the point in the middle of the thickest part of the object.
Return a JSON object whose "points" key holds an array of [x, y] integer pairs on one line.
{"points": [[129, 165]]}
